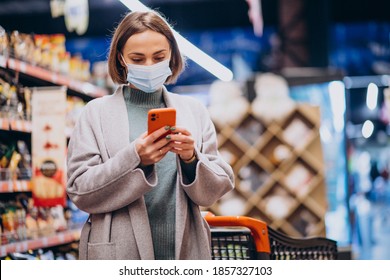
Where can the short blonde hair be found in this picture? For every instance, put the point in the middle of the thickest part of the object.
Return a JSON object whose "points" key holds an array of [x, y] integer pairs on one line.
{"points": [[138, 22]]}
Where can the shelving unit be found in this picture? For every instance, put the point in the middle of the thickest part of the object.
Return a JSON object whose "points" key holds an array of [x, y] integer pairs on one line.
{"points": [[15, 125], [279, 172], [31, 75], [86, 89], [43, 242], [20, 126], [15, 186]]}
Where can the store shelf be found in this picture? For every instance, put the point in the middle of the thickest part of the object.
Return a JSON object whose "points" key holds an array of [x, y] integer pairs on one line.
{"points": [[15, 125], [4, 124], [84, 88], [22, 126], [15, 186], [14, 130], [44, 242]]}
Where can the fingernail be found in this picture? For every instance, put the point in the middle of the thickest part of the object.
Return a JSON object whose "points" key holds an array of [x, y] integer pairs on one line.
{"points": [[168, 137], [173, 128], [167, 127]]}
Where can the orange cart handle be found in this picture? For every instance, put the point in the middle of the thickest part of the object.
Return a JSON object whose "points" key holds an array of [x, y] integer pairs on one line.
{"points": [[259, 229]]}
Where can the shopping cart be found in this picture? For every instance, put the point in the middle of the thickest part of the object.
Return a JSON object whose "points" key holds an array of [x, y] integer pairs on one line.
{"points": [[245, 238]]}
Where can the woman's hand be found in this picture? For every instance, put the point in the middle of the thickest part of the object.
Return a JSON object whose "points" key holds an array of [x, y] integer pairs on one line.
{"points": [[151, 151], [182, 143]]}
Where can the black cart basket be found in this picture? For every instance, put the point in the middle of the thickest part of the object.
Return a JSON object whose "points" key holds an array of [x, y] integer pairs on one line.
{"points": [[242, 238]]}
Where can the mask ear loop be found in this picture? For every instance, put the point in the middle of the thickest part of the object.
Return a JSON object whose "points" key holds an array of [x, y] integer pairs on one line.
{"points": [[125, 64], [123, 60]]}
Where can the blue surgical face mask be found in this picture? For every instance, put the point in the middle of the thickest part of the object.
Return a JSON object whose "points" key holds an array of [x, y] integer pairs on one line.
{"points": [[148, 78]]}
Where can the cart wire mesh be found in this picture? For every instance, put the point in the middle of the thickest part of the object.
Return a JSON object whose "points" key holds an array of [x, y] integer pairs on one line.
{"points": [[233, 244], [287, 248], [244, 238]]}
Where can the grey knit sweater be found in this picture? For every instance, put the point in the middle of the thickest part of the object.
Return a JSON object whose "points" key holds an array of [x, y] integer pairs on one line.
{"points": [[160, 202]]}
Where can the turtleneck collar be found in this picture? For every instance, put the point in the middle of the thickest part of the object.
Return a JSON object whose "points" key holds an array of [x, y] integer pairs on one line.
{"points": [[143, 99]]}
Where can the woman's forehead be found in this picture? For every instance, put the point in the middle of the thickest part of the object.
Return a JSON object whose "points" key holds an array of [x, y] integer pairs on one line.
{"points": [[146, 42]]}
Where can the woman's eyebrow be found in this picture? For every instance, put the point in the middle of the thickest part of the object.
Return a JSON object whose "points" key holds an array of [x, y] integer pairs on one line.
{"points": [[142, 54], [160, 51]]}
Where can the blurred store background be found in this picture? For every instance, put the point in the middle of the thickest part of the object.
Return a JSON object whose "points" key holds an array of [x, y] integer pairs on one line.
{"points": [[333, 55]]}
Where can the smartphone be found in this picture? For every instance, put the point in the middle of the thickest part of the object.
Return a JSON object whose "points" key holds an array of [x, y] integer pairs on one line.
{"points": [[161, 117]]}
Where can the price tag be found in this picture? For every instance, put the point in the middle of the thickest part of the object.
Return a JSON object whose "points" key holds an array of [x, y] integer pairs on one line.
{"points": [[11, 63], [54, 78], [61, 238], [10, 183], [3, 61], [23, 67], [45, 241], [3, 251]]}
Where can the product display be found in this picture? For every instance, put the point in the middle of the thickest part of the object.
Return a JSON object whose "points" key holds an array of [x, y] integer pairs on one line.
{"points": [[49, 146], [29, 231], [47, 51], [278, 167], [227, 104], [74, 107], [297, 179], [21, 220], [278, 202], [252, 177], [15, 160], [15, 100], [64, 252], [3, 46], [272, 101], [44, 57], [296, 133], [231, 205], [100, 75]]}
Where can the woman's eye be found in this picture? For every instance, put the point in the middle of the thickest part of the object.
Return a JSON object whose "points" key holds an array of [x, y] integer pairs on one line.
{"points": [[136, 60], [160, 58]]}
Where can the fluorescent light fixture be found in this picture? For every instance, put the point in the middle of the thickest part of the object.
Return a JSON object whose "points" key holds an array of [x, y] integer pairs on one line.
{"points": [[337, 97], [367, 129], [188, 49], [337, 102], [372, 96]]}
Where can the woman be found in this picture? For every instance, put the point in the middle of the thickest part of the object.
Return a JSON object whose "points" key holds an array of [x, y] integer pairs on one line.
{"points": [[144, 196]]}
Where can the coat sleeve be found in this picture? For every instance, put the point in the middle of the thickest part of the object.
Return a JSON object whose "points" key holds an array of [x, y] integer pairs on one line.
{"points": [[213, 176], [96, 182]]}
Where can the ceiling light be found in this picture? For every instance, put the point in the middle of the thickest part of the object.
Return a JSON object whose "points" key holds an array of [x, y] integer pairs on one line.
{"points": [[367, 129], [372, 96], [337, 101]]}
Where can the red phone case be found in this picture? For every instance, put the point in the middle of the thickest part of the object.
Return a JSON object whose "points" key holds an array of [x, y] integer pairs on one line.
{"points": [[161, 117]]}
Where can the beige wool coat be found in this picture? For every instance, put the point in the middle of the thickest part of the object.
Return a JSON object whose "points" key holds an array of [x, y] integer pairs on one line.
{"points": [[104, 180]]}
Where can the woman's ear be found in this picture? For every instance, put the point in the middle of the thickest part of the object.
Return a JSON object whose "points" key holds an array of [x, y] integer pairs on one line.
{"points": [[121, 60]]}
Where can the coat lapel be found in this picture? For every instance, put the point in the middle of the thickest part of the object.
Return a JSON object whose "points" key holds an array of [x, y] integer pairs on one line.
{"points": [[181, 218], [141, 229], [115, 124]]}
